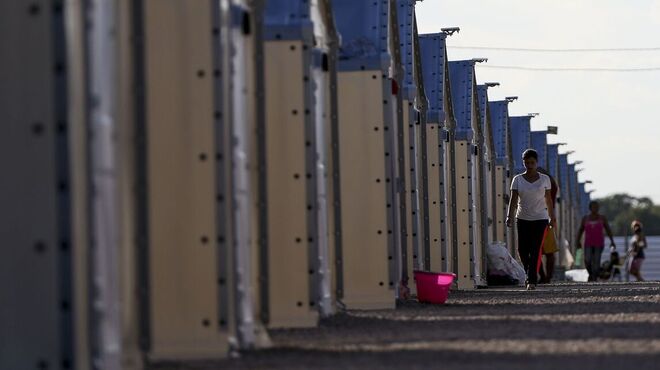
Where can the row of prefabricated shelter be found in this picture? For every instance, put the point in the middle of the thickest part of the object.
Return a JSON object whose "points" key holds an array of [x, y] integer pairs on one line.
{"points": [[180, 176]]}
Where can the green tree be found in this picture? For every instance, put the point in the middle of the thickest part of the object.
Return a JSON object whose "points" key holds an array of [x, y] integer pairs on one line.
{"points": [[621, 209]]}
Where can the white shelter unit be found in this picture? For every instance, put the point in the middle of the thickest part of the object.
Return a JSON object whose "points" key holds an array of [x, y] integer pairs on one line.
{"points": [[440, 127], [503, 167], [368, 114], [299, 42], [468, 207], [486, 161]]}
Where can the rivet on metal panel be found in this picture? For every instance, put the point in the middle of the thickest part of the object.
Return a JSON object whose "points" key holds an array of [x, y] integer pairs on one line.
{"points": [[40, 247], [38, 128]]}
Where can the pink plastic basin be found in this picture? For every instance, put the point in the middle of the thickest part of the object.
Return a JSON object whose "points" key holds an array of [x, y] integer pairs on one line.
{"points": [[433, 287]]}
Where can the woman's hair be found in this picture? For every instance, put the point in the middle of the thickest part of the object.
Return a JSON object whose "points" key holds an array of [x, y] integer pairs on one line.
{"points": [[530, 153], [593, 202]]}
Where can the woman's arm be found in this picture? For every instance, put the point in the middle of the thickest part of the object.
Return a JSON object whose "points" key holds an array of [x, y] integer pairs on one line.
{"points": [[513, 205], [608, 230], [551, 208]]}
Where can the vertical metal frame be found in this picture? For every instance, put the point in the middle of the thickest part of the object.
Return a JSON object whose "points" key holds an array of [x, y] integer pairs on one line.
{"points": [[574, 207], [229, 243], [564, 198], [422, 106], [324, 77], [412, 166], [113, 309], [333, 171], [434, 68], [413, 91], [501, 144], [465, 108], [39, 316], [486, 193], [395, 140], [236, 30], [520, 140], [405, 139]]}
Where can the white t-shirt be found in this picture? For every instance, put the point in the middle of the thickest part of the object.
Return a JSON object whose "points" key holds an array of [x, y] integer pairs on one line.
{"points": [[531, 197]]}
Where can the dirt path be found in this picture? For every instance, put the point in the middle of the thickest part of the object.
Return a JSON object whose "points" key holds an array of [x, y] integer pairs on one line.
{"points": [[562, 326]]}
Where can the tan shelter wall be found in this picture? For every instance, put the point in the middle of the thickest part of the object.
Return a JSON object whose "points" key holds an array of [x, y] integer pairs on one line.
{"points": [[436, 223], [181, 182], [288, 249], [463, 209], [363, 191]]}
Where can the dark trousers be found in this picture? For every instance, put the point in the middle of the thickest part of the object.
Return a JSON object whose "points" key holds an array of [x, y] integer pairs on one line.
{"points": [[530, 239], [592, 257]]}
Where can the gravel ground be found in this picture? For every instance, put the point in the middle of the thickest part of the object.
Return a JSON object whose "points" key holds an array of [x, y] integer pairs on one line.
{"points": [[558, 326]]}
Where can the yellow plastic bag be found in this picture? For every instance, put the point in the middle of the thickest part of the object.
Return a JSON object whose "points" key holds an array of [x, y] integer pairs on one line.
{"points": [[550, 242]]}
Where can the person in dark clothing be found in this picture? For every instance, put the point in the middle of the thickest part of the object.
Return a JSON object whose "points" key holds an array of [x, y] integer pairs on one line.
{"points": [[547, 272], [637, 246], [593, 225]]}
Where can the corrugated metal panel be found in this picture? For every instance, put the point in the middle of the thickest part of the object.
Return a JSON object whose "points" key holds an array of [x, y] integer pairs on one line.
{"points": [[499, 115], [363, 26], [406, 19], [539, 142], [434, 70], [553, 160], [461, 75], [520, 140]]}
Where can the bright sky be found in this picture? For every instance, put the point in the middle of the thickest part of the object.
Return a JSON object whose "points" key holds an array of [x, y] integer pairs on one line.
{"points": [[610, 119]]}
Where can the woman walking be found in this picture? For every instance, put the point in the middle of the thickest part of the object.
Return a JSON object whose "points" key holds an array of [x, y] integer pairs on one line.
{"points": [[531, 203], [547, 272], [592, 226], [637, 246]]}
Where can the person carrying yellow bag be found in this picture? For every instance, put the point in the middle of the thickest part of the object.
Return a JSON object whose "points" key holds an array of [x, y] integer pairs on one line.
{"points": [[550, 246]]}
